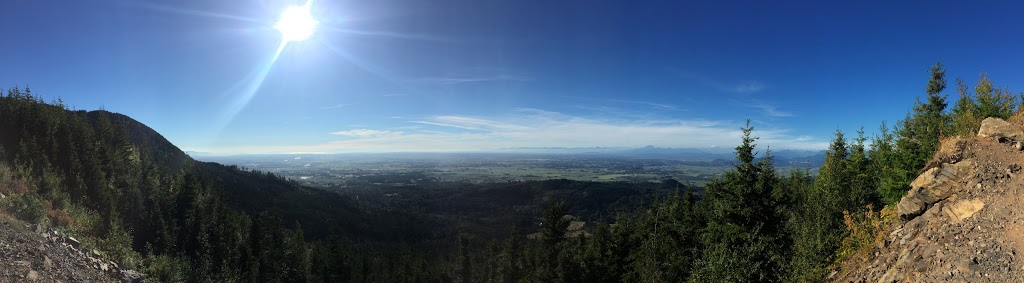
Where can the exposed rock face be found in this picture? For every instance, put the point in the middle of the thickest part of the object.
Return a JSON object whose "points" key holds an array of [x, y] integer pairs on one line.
{"points": [[33, 253], [934, 185], [951, 150], [963, 209], [963, 218], [1000, 130]]}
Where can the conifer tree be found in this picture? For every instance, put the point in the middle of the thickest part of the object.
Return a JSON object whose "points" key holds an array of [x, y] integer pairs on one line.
{"points": [[890, 177], [553, 230], [917, 137], [921, 131], [863, 177], [965, 118], [992, 101], [743, 231]]}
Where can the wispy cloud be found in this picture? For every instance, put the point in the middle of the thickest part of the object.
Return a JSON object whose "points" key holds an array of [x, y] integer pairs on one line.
{"points": [[455, 80], [363, 133], [660, 106], [745, 87], [741, 87], [336, 106], [531, 127], [769, 110], [446, 125]]}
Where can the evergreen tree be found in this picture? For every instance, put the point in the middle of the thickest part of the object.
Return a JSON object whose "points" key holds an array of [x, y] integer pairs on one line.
{"points": [[965, 116], [991, 101], [818, 223], [465, 259], [863, 177], [917, 138], [510, 268], [921, 131], [889, 176], [743, 231], [553, 231]]}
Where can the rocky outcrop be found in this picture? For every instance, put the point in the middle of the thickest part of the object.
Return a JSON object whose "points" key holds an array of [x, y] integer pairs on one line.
{"points": [[962, 220], [33, 253], [1000, 130], [963, 209], [934, 185], [951, 150]]}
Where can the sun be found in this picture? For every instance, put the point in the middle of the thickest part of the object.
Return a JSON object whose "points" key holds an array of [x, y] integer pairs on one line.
{"points": [[296, 23]]}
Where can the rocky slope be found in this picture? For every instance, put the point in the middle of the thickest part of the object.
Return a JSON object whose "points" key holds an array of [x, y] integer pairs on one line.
{"points": [[963, 219], [32, 253]]}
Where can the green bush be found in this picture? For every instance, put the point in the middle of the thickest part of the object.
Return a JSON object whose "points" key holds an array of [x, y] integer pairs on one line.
{"points": [[165, 268], [27, 207], [118, 244]]}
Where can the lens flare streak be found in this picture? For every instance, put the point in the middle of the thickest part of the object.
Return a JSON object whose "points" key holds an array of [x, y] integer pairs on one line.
{"points": [[249, 86]]}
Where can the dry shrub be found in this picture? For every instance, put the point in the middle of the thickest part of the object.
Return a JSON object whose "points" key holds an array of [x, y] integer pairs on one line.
{"points": [[864, 231], [60, 217], [1017, 118], [10, 182]]}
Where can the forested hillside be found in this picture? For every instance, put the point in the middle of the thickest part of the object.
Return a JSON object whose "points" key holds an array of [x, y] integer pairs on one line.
{"points": [[130, 193]]}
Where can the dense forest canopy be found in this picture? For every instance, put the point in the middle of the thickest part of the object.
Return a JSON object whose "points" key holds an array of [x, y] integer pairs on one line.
{"points": [[126, 189]]}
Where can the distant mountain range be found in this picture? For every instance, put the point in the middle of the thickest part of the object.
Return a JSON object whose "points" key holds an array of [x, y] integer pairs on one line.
{"points": [[786, 157], [704, 157]]}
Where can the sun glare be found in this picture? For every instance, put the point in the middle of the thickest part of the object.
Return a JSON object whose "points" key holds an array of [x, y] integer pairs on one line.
{"points": [[296, 23]]}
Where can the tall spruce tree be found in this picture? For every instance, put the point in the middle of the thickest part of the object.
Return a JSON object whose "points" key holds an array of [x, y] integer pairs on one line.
{"points": [[743, 231], [964, 116], [918, 136], [818, 228], [889, 177], [992, 101], [863, 177], [924, 128]]}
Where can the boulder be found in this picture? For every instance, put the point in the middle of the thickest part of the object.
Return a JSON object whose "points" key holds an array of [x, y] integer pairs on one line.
{"points": [[933, 186], [951, 150], [74, 242], [130, 276], [963, 209], [1000, 130]]}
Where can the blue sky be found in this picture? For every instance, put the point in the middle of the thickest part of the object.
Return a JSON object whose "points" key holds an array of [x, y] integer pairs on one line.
{"points": [[466, 75]]}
